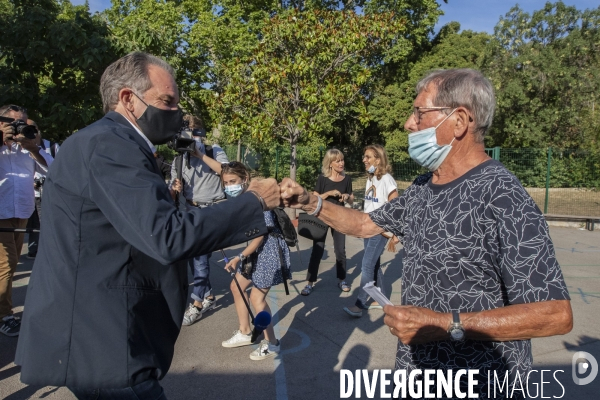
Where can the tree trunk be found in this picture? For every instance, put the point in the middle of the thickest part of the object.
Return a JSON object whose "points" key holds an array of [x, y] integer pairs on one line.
{"points": [[291, 212], [239, 150], [293, 166]]}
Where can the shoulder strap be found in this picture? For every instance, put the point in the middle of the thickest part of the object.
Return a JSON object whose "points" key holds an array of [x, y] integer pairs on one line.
{"points": [[210, 152]]}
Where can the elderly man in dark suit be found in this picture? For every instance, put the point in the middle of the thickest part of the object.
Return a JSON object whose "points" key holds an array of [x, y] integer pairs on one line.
{"points": [[108, 290]]}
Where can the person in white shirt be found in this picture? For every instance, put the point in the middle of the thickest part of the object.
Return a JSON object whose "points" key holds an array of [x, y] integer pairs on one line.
{"points": [[20, 158], [380, 189]]}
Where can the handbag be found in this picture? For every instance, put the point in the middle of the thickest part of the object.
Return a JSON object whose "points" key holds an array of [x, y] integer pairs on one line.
{"points": [[312, 227], [248, 266]]}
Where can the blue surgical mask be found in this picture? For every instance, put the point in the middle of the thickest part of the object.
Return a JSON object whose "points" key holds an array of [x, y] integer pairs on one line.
{"points": [[424, 149], [372, 169], [234, 190]]}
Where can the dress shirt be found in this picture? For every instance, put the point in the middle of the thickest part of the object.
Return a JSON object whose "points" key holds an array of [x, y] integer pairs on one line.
{"points": [[17, 168], [152, 148]]}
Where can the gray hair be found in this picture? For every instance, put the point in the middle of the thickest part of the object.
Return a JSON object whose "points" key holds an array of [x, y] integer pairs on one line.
{"points": [[463, 88], [130, 71]]}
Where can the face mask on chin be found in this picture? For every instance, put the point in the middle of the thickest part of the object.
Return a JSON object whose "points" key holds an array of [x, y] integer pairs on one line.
{"points": [[158, 125], [372, 169], [424, 149]]}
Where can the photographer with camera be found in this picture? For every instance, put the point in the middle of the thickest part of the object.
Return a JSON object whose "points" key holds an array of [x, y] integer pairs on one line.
{"points": [[20, 158], [38, 183], [201, 188]]}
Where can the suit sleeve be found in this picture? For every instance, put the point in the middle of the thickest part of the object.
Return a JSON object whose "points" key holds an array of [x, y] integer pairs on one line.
{"points": [[134, 199]]}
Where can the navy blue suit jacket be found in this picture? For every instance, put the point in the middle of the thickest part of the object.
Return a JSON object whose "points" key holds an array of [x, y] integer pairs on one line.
{"points": [[108, 288]]}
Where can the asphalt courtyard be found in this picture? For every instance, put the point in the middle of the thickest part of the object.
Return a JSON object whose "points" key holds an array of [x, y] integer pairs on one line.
{"points": [[319, 339]]}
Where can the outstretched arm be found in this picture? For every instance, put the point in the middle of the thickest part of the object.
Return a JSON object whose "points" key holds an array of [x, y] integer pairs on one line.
{"points": [[342, 219]]}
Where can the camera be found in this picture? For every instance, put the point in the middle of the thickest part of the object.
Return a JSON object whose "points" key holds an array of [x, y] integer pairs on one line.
{"points": [[39, 182], [184, 141], [21, 127]]}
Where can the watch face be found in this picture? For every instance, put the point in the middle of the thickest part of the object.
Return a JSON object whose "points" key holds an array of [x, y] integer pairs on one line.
{"points": [[457, 334]]}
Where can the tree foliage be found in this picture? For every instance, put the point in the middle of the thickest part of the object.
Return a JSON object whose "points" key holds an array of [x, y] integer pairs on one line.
{"points": [[51, 58], [309, 70], [393, 105], [546, 70]]}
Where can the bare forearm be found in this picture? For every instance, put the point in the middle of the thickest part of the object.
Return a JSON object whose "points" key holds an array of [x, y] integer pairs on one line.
{"points": [[40, 160], [344, 220], [212, 164], [253, 246], [520, 321], [416, 325]]}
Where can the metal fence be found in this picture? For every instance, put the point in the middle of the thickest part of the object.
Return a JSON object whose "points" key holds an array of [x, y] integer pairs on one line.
{"points": [[560, 181]]}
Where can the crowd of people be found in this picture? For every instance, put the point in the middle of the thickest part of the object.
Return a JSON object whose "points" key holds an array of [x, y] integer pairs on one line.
{"points": [[480, 276]]}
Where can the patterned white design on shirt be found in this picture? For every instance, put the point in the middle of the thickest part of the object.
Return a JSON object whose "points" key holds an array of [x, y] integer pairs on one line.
{"points": [[476, 243]]}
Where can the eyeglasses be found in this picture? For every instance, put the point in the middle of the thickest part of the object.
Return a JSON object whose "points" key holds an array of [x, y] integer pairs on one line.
{"points": [[418, 113]]}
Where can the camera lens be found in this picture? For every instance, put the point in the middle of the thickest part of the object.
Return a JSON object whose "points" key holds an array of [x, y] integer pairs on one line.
{"points": [[28, 131]]}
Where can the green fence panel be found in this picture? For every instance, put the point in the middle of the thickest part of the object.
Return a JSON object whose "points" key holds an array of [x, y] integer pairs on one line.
{"points": [[565, 182]]}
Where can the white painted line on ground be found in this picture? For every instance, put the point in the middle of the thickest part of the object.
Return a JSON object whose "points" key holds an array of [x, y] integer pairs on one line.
{"points": [[280, 381]]}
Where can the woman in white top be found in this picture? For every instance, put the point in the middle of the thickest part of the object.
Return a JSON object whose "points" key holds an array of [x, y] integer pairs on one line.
{"points": [[380, 189]]}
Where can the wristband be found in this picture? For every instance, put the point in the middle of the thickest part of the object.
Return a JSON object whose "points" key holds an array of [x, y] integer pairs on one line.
{"points": [[319, 205], [262, 202]]}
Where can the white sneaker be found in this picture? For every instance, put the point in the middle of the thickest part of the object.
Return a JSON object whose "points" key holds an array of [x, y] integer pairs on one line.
{"points": [[208, 304], [192, 314], [237, 340], [265, 350]]}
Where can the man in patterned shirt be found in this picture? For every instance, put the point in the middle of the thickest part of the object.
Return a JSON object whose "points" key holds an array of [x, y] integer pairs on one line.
{"points": [[480, 274]]}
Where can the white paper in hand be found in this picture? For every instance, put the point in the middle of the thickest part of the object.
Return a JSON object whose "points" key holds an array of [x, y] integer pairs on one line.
{"points": [[376, 294]]}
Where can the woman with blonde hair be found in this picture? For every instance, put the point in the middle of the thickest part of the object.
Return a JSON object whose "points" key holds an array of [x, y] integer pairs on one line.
{"points": [[380, 189], [335, 186]]}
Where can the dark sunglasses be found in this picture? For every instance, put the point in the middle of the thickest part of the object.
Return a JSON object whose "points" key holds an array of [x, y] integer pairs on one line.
{"points": [[232, 164], [15, 108], [12, 107]]}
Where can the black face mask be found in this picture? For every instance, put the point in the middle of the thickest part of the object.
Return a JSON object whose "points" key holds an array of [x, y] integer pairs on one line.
{"points": [[159, 126]]}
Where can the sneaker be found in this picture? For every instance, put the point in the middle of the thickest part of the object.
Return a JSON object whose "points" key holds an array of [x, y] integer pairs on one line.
{"points": [[265, 350], [237, 340], [31, 256], [192, 315], [11, 326], [208, 304]]}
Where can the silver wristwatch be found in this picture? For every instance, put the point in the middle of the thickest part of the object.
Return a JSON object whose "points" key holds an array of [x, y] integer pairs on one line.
{"points": [[242, 257], [456, 330]]}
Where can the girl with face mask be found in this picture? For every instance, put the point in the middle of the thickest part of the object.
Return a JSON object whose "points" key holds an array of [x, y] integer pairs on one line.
{"points": [[264, 253], [380, 189]]}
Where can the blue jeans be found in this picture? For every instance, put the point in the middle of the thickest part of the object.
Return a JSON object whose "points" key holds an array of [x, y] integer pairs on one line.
{"points": [[371, 268], [147, 390], [201, 270]]}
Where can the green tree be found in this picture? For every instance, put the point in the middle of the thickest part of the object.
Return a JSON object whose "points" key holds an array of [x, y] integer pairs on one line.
{"points": [[309, 70], [546, 70], [393, 105], [51, 58]]}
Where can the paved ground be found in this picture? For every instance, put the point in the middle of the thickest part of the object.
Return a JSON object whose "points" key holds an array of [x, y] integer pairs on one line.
{"points": [[319, 339]]}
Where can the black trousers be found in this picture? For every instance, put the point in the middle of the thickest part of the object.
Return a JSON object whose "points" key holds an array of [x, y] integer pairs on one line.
{"points": [[339, 247]]}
